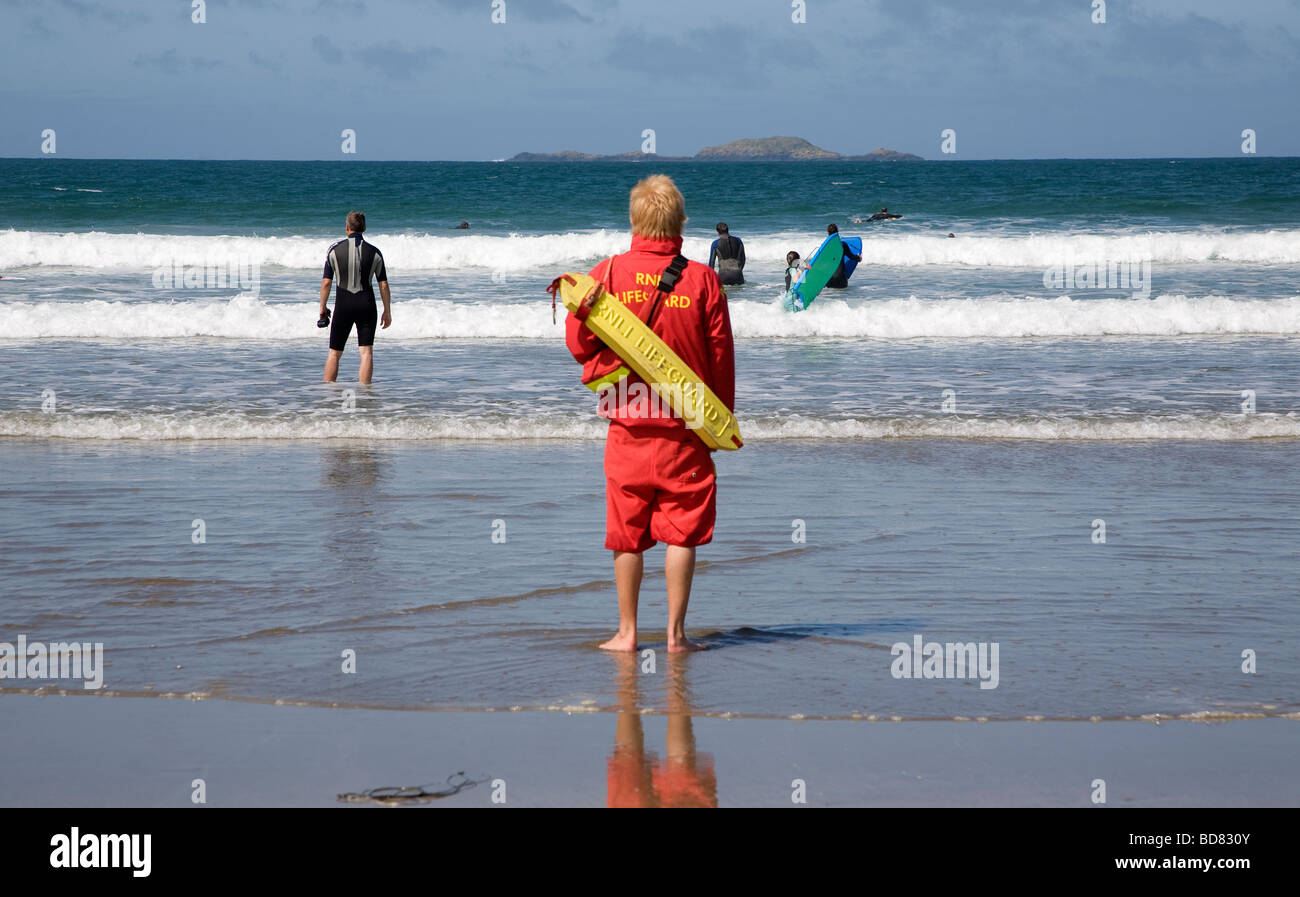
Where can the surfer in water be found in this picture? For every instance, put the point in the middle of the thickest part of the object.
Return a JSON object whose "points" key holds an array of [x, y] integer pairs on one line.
{"points": [[659, 477], [353, 263], [729, 254], [882, 215], [839, 280]]}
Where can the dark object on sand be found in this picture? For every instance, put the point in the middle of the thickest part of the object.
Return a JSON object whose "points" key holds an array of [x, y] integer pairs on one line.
{"points": [[419, 794]]}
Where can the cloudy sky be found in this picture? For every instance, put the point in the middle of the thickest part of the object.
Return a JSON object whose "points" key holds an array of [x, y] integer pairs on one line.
{"points": [[438, 79]]}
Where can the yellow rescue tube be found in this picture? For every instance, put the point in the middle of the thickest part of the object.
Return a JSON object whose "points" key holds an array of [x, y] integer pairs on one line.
{"points": [[643, 351]]}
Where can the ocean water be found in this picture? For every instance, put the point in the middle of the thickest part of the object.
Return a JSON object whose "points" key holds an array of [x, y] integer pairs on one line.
{"points": [[946, 434]]}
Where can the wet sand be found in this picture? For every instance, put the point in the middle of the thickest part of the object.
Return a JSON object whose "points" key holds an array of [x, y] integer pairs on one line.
{"points": [[316, 548], [75, 751]]}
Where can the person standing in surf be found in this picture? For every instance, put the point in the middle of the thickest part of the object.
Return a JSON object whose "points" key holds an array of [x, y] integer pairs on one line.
{"points": [[660, 481], [728, 253], [840, 280], [353, 263]]}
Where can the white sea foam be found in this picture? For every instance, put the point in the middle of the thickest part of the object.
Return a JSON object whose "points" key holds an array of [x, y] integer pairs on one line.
{"points": [[1226, 427], [153, 426], [246, 317], [186, 426], [505, 253], [1010, 317], [543, 253]]}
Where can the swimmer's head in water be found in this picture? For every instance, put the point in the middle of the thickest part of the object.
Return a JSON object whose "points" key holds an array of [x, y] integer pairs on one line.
{"points": [[356, 222], [656, 208], [832, 229]]}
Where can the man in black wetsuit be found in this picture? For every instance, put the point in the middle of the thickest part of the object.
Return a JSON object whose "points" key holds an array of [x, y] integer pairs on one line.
{"points": [[353, 263], [839, 280], [729, 253]]}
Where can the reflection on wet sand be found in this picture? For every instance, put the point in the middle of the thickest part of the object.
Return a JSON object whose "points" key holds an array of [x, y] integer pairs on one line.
{"points": [[352, 474], [635, 778], [353, 470]]}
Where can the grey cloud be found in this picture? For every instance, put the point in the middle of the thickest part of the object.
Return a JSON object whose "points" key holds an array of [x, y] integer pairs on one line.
{"points": [[547, 11], [326, 49], [104, 12], [388, 58], [257, 59], [172, 63], [395, 60]]}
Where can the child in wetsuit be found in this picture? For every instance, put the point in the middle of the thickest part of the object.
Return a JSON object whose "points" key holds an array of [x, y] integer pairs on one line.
{"points": [[793, 265]]}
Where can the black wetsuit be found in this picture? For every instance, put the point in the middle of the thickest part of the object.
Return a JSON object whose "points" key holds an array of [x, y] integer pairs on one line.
{"points": [[839, 280], [729, 252], [352, 263]]}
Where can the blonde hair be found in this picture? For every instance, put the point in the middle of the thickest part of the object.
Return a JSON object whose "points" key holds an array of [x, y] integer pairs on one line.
{"points": [[656, 208]]}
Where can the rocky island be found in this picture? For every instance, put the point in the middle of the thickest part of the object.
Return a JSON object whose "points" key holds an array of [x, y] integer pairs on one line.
{"points": [[749, 149]]}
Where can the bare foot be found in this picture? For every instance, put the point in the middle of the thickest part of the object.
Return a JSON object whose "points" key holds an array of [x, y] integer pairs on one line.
{"points": [[620, 642], [684, 645]]}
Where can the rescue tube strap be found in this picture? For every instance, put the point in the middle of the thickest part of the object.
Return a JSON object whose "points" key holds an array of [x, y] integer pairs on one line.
{"points": [[667, 281]]}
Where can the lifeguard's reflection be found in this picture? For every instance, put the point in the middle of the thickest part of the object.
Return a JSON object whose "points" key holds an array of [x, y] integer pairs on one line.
{"points": [[637, 778]]}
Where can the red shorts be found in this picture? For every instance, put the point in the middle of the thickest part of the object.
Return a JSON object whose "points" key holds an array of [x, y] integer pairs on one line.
{"points": [[660, 486]]}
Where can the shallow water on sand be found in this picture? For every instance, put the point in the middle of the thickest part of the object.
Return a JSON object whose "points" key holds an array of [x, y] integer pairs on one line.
{"points": [[314, 548]]}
